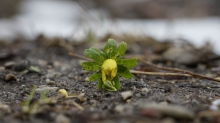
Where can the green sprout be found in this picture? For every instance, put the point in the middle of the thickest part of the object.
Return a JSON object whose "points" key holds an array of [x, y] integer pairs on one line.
{"points": [[108, 65]]}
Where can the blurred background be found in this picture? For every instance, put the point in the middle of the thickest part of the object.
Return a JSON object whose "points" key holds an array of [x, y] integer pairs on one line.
{"points": [[197, 21]]}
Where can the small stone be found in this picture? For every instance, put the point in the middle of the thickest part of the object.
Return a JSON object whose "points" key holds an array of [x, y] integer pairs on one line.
{"points": [[51, 83], [145, 90], [148, 112], [63, 83], [138, 95], [133, 88], [22, 87], [62, 119], [24, 65], [2, 68], [87, 79], [10, 77], [76, 77], [47, 80], [70, 76], [124, 109], [9, 64], [81, 97], [126, 95], [172, 110], [208, 116], [43, 88], [215, 105], [5, 108]]}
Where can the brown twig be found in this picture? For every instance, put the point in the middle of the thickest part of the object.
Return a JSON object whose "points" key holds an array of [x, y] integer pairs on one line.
{"points": [[79, 56], [159, 73], [78, 106], [179, 70]]}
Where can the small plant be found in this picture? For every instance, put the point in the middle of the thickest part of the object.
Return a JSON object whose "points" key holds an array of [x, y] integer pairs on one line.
{"points": [[108, 65]]}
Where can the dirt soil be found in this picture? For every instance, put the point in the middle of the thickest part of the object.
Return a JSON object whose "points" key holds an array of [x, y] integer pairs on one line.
{"points": [[153, 99]]}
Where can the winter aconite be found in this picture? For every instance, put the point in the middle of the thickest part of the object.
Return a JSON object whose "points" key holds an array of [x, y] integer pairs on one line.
{"points": [[108, 65]]}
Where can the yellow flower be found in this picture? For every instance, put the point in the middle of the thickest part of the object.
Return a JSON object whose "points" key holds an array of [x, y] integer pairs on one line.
{"points": [[63, 92], [109, 69]]}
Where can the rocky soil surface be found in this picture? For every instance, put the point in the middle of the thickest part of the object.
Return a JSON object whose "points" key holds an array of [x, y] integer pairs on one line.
{"points": [[45, 64]]}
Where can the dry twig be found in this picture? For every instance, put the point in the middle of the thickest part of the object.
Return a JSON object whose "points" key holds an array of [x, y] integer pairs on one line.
{"points": [[179, 70], [159, 73], [78, 106]]}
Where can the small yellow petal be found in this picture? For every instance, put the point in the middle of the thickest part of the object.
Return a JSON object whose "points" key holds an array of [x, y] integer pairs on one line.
{"points": [[114, 72], [103, 76], [63, 92]]}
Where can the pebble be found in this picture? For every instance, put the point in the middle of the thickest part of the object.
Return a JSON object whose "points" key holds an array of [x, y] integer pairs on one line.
{"points": [[10, 77], [51, 83], [70, 76], [215, 105], [87, 79], [124, 109], [47, 80], [5, 108], [138, 95], [147, 112], [145, 90], [172, 110], [62, 119], [43, 88], [2, 68], [81, 97], [126, 95], [24, 65], [208, 116], [182, 55], [9, 64]]}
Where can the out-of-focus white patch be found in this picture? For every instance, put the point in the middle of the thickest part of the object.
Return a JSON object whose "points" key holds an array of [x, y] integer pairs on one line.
{"points": [[215, 105], [67, 19]]}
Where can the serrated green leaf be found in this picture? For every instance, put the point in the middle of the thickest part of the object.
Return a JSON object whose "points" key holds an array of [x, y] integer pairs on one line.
{"points": [[95, 76], [124, 72], [100, 84], [95, 54], [121, 50], [91, 66], [103, 55], [117, 82], [110, 48], [129, 63]]}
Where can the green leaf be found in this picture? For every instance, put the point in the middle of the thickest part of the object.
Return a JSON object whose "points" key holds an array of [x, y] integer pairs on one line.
{"points": [[129, 63], [95, 76], [100, 84], [91, 66], [34, 69], [124, 72], [117, 82], [95, 54], [110, 48], [24, 71], [121, 50], [103, 55]]}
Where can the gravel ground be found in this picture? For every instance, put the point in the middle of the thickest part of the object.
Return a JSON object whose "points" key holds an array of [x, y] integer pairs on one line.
{"points": [[141, 99]]}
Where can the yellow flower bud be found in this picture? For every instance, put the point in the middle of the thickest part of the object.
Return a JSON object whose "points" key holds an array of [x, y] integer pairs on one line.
{"points": [[63, 92], [109, 69]]}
